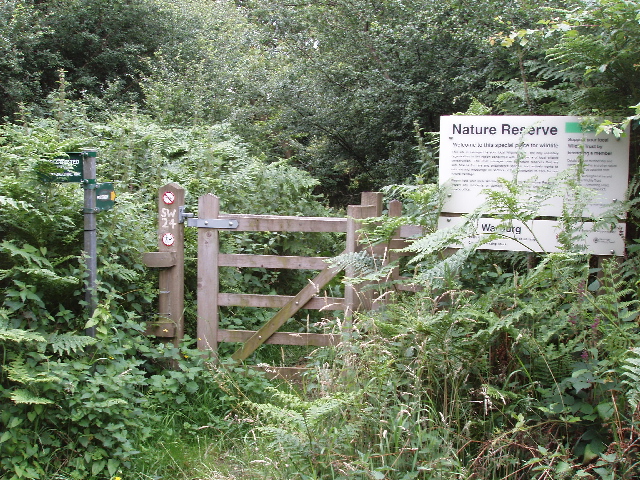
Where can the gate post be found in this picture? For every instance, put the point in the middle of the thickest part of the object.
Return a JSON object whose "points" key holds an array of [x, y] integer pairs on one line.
{"points": [[208, 276], [395, 210], [170, 259], [371, 206]]}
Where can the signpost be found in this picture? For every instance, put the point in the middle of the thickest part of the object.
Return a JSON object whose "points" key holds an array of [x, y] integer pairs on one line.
{"points": [[80, 167], [477, 151]]}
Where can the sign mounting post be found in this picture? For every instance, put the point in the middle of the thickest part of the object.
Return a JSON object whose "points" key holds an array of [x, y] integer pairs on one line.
{"points": [[80, 167], [89, 157]]}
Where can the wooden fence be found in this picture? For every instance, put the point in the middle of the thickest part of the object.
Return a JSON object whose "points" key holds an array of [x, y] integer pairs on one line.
{"points": [[172, 220]]}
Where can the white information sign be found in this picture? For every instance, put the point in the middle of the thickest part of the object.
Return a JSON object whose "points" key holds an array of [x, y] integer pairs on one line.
{"points": [[539, 236], [475, 151]]}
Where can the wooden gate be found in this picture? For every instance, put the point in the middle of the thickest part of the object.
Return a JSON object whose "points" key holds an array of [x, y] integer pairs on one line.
{"points": [[170, 258]]}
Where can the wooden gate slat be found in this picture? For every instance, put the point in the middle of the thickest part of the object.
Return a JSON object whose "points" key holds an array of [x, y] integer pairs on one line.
{"points": [[271, 261], [282, 338], [277, 301], [208, 276], [272, 223]]}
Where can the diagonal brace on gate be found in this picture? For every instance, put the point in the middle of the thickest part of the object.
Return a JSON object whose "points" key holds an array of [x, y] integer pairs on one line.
{"points": [[286, 312]]}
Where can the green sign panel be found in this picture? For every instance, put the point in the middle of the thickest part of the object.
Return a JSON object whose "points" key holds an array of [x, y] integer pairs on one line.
{"points": [[105, 196], [62, 170], [577, 127]]}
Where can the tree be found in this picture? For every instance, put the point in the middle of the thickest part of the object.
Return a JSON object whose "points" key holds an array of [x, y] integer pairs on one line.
{"points": [[358, 76], [102, 45], [20, 34], [210, 71], [591, 58]]}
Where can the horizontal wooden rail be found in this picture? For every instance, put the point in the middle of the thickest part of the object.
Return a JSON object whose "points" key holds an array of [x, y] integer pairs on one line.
{"points": [[282, 338], [271, 261], [277, 301], [385, 249], [282, 373], [159, 259], [408, 231], [272, 223]]}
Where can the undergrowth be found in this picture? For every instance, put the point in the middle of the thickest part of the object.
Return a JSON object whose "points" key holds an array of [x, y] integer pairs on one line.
{"points": [[499, 366]]}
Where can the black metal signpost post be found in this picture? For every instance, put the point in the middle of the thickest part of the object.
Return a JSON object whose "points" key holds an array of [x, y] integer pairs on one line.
{"points": [[90, 235], [81, 168]]}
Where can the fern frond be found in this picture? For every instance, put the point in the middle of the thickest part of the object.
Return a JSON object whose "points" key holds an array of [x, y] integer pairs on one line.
{"points": [[321, 409], [66, 343], [631, 370], [296, 418], [283, 437], [15, 204], [25, 396], [381, 229], [18, 371], [28, 253], [289, 400], [18, 335], [286, 417], [438, 273], [440, 239], [360, 263], [43, 275]]}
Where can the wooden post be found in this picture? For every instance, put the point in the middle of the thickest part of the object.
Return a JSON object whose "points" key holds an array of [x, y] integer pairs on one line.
{"points": [[350, 297], [366, 291], [170, 255], [208, 277], [371, 207], [372, 198], [395, 210]]}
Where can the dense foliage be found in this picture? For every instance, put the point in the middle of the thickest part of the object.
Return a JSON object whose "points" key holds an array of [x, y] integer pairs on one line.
{"points": [[499, 365]]}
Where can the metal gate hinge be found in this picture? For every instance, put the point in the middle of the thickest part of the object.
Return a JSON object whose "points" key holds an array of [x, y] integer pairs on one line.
{"points": [[204, 223], [182, 214], [212, 223]]}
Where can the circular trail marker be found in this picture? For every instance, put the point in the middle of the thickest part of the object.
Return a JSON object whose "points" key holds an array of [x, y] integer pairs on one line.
{"points": [[168, 239], [168, 197]]}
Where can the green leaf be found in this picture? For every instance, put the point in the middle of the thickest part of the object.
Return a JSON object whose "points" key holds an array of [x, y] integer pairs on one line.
{"points": [[5, 436], [112, 466], [14, 422], [579, 385], [593, 450], [92, 322], [605, 410], [98, 466], [604, 473], [191, 387]]}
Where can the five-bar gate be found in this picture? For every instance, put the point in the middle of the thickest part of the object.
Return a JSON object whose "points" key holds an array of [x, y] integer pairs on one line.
{"points": [[170, 258]]}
